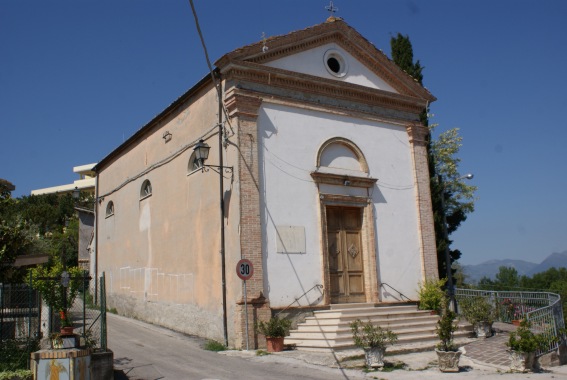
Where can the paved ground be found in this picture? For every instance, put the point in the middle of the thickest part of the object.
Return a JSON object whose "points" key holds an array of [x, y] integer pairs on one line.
{"points": [[143, 351]]}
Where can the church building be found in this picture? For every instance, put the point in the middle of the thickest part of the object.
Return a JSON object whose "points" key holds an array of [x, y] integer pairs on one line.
{"points": [[325, 190]]}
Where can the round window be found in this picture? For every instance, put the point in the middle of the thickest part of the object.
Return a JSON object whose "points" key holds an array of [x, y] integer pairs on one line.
{"points": [[335, 63]]}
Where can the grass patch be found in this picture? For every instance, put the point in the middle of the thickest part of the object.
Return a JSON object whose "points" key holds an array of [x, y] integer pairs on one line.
{"points": [[113, 310], [262, 353], [213, 345], [390, 367]]}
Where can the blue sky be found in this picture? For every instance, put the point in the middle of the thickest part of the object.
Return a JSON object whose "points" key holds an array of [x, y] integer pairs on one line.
{"points": [[77, 77]]}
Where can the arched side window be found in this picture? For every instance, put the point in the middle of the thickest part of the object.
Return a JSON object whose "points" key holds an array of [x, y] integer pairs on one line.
{"points": [[146, 189], [110, 209], [193, 164]]}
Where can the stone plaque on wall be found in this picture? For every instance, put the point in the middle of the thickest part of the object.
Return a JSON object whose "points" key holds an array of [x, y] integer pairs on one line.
{"points": [[290, 239]]}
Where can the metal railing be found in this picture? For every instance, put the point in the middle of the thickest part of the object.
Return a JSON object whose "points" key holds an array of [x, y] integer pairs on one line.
{"points": [[401, 295], [542, 309], [296, 300]]}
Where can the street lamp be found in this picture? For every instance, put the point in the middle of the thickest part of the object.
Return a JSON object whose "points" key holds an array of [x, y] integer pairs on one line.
{"points": [[448, 268], [201, 151]]}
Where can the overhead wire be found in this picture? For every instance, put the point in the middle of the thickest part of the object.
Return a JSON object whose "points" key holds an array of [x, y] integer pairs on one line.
{"points": [[209, 65]]}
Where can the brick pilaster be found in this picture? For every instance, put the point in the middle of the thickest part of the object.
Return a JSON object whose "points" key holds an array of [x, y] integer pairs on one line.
{"points": [[418, 142], [243, 108]]}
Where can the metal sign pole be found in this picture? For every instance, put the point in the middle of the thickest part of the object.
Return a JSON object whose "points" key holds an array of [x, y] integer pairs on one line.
{"points": [[246, 314]]}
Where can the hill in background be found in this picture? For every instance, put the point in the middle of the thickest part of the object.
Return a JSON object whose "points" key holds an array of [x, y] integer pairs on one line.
{"points": [[490, 268]]}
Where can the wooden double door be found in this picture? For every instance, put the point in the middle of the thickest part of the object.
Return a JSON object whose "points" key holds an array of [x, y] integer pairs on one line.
{"points": [[345, 256]]}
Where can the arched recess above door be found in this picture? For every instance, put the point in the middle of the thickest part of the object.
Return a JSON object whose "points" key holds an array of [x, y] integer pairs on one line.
{"points": [[340, 153], [341, 162]]}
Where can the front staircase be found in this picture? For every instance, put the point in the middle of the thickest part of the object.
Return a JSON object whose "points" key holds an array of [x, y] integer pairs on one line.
{"points": [[330, 330]]}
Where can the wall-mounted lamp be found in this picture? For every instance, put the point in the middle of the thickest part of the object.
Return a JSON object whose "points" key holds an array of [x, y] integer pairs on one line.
{"points": [[201, 150], [346, 182]]}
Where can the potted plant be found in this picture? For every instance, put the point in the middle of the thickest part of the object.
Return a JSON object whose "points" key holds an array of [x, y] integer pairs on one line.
{"points": [[373, 340], [431, 294], [274, 330], [523, 345], [58, 292], [480, 313], [448, 353]]}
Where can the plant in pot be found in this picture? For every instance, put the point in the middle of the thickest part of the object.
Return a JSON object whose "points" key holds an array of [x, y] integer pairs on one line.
{"points": [[523, 345], [448, 353], [480, 313], [58, 293], [275, 329], [373, 340], [431, 294]]}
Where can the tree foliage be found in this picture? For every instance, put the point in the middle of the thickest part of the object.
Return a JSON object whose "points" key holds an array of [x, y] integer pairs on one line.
{"points": [[443, 160], [36, 224], [402, 55]]}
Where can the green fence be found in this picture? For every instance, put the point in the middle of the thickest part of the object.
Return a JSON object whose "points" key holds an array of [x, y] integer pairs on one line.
{"points": [[25, 320]]}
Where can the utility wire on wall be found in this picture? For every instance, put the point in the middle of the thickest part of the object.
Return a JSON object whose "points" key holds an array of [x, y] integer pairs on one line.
{"points": [[209, 65]]}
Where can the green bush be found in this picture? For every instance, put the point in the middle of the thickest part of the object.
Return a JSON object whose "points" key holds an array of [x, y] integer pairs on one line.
{"points": [[524, 340], [15, 353], [477, 309], [431, 294], [21, 374]]}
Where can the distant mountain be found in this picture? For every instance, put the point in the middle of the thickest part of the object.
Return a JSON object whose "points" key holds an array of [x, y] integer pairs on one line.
{"points": [[490, 268], [555, 260]]}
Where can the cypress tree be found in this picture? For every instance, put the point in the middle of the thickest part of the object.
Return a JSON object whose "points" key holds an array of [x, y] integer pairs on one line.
{"points": [[402, 55]]}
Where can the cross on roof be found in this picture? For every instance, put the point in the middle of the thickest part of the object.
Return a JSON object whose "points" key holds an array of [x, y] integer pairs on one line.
{"points": [[331, 8]]}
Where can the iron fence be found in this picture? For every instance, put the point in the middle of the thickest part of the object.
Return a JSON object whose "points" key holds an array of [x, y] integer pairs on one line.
{"points": [[20, 331], [542, 309]]}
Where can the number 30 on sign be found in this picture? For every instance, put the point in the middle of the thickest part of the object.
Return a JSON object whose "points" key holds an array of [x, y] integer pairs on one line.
{"points": [[244, 269]]}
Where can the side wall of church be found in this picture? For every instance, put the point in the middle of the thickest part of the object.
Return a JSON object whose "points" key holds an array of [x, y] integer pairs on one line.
{"points": [[160, 253]]}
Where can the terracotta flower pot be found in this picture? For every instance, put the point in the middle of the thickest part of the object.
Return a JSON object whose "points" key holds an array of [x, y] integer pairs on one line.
{"points": [[68, 330], [274, 344]]}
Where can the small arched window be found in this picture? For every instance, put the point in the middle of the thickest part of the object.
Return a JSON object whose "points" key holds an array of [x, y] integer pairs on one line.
{"points": [[193, 164], [146, 189], [110, 209]]}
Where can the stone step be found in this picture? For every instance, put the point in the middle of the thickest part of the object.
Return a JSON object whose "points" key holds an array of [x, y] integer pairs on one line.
{"points": [[378, 319], [395, 325], [342, 343], [402, 332], [330, 329]]}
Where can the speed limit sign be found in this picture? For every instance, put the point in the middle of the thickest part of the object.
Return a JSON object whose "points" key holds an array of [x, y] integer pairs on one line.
{"points": [[244, 269]]}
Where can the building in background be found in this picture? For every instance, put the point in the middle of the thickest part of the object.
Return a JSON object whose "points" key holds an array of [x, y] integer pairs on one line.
{"points": [[86, 182]]}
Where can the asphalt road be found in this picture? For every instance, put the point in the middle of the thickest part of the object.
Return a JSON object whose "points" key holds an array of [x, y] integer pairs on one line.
{"points": [[148, 352]]}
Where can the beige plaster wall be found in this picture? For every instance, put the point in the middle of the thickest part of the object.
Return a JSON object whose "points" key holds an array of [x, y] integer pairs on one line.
{"points": [[161, 254]]}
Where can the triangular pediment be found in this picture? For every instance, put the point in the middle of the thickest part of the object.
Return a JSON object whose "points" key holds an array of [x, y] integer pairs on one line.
{"points": [[334, 51]]}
